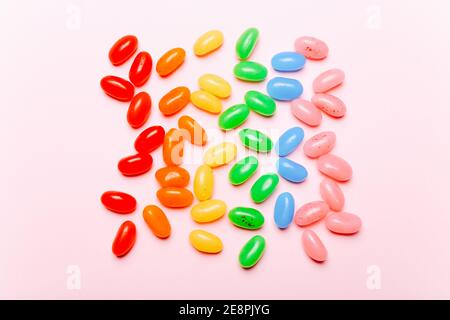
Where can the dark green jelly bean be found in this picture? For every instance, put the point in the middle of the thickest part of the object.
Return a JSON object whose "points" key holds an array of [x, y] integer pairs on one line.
{"points": [[250, 71], [260, 103], [255, 140], [264, 187], [246, 218], [243, 170], [252, 252], [246, 43], [234, 116]]}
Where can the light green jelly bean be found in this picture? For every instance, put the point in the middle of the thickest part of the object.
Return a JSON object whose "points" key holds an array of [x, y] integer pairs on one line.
{"points": [[246, 43], [252, 252], [246, 218], [260, 103], [243, 170], [234, 116], [250, 71], [264, 187], [255, 140]]}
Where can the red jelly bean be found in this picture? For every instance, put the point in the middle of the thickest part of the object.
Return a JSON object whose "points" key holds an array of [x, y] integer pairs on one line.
{"points": [[136, 164], [149, 139], [117, 88], [123, 49], [141, 68], [139, 110], [119, 202], [125, 239]]}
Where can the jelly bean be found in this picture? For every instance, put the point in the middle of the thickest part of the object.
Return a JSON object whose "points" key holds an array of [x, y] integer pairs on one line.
{"points": [[264, 187], [123, 49], [170, 61], [246, 218], [291, 170], [332, 194], [157, 221], [246, 43], [252, 252], [206, 101], [173, 147], [173, 197], [260, 103], [149, 139], [314, 248], [289, 141], [284, 210], [125, 239], [220, 154], [288, 61], [306, 112], [208, 42], [234, 116], [215, 85], [172, 176], [243, 170], [250, 71], [139, 110], [119, 202], [331, 105], [343, 223], [311, 48], [328, 80], [311, 212], [203, 183], [117, 88], [136, 164], [284, 89], [319, 144], [205, 242], [208, 211], [255, 140], [174, 101], [192, 131], [335, 167], [141, 69]]}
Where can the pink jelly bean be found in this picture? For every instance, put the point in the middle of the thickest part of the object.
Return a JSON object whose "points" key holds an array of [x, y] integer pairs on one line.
{"points": [[313, 247], [319, 144], [328, 80], [312, 48], [311, 212], [335, 167], [306, 112], [332, 194], [343, 223], [331, 105]]}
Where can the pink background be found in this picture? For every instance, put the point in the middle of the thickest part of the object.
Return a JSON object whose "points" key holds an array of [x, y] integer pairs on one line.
{"points": [[61, 139]]}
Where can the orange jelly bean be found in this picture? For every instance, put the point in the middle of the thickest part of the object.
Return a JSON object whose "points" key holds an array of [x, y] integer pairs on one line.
{"points": [[140, 69], [157, 221], [123, 49], [117, 88], [172, 176], [174, 101], [192, 130], [139, 110], [125, 239], [173, 197], [170, 61], [173, 147]]}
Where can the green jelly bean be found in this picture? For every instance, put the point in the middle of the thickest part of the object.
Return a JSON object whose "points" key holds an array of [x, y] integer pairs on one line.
{"points": [[255, 140], [250, 71], [246, 43], [243, 170], [264, 187], [234, 116], [252, 252], [260, 103], [246, 218]]}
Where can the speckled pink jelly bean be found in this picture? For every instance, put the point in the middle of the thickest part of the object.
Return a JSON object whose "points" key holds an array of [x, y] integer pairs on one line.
{"points": [[331, 105], [311, 212], [306, 112], [343, 223], [312, 48], [328, 80], [332, 194], [313, 247], [334, 167], [319, 144]]}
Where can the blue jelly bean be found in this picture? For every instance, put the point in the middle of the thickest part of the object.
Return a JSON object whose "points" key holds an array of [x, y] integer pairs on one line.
{"points": [[288, 61], [291, 171], [289, 141], [284, 210], [284, 89]]}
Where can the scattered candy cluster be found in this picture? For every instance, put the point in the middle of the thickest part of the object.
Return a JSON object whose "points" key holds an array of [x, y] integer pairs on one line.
{"points": [[174, 179]]}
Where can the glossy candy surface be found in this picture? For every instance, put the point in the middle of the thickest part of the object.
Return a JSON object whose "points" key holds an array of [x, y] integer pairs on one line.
{"points": [[149, 139], [343, 223], [208, 211], [117, 88], [173, 197], [205, 242], [319, 144], [157, 221], [250, 71], [119, 202], [313, 246], [284, 89], [173, 147], [220, 154], [203, 183], [332, 194], [311, 212], [284, 210], [335, 167], [234, 116], [215, 85], [264, 187], [172, 176], [174, 101], [288, 61], [331, 105], [252, 252], [306, 112], [291, 170], [208, 42], [206, 101], [255, 140], [328, 80], [139, 110], [260, 103], [170, 61], [136, 164], [141, 69], [312, 48], [243, 170], [192, 131], [246, 218], [125, 239], [123, 49], [289, 141], [246, 43]]}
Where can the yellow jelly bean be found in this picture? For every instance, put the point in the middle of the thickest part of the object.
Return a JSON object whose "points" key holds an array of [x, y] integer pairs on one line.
{"points": [[206, 242], [206, 101], [208, 211], [208, 42], [203, 183], [220, 154], [215, 85]]}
